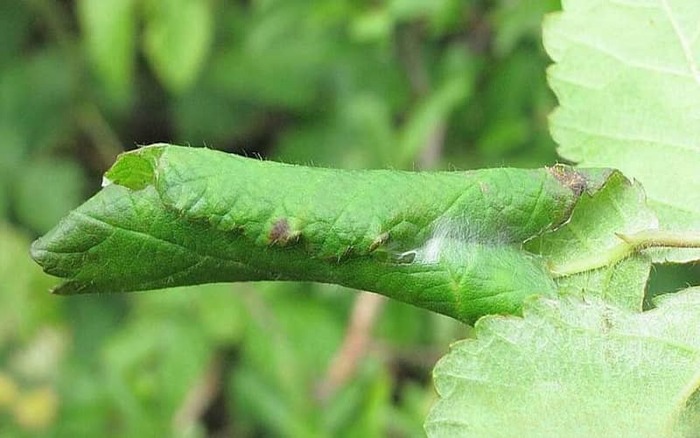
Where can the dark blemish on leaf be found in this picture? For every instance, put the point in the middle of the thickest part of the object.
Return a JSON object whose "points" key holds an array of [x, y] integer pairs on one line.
{"points": [[282, 234], [280, 231], [379, 241], [569, 177]]}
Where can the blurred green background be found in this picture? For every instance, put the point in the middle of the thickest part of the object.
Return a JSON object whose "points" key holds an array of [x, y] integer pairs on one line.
{"points": [[442, 84]]}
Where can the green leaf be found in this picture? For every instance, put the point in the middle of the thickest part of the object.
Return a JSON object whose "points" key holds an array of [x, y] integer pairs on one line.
{"points": [[588, 258], [249, 68], [110, 28], [15, 19], [572, 368], [445, 241], [151, 366], [628, 84], [361, 135], [432, 112], [177, 40], [35, 94], [514, 21]]}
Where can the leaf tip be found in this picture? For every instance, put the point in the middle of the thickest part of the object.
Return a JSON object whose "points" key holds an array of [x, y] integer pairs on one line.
{"points": [[38, 251]]}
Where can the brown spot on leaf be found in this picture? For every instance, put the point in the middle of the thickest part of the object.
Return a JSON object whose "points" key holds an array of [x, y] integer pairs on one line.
{"points": [[569, 177], [379, 241], [281, 233]]}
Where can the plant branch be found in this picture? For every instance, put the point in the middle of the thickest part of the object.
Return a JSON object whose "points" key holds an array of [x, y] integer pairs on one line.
{"points": [[199, 397]]}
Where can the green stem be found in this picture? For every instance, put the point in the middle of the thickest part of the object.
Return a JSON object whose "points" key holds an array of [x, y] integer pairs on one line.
{"points": [[610, 257], [663, 239]]}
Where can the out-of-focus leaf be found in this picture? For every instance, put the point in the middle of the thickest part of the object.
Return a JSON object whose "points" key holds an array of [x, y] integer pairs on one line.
{"points": [[151, 366], [24, 308], [4, 196], [208, 114], [373, 25], [369, 418], [109, 28], [360, 135], [47, 190], [427, 123], [572, 368], [515, 20], [280, 63], [34, 95], [408, 417], [177, 39], [628, 82], [217, 308], [407, 9], [378, 21], [515, 102], [288, 346], [14, 27], [672, 278]]}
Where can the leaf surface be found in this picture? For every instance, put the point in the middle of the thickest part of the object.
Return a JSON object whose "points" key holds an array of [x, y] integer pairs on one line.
{"points": [[627, 77], [451, 242], [586, 256], [574, 368]]}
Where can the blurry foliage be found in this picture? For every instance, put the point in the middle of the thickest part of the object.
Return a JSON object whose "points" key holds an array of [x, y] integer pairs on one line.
{"points": [[392, 83]]}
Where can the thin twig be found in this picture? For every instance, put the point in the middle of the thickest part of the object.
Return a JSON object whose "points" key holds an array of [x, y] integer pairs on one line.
{"points": [[199, 398], [357, 338], [104, 139]]}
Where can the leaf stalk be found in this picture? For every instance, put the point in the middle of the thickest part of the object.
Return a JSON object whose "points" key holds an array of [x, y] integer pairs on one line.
{"points": [[631, 244]]}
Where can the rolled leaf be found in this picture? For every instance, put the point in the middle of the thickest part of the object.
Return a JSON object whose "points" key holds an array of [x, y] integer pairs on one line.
{"points": [[451, 242]]}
